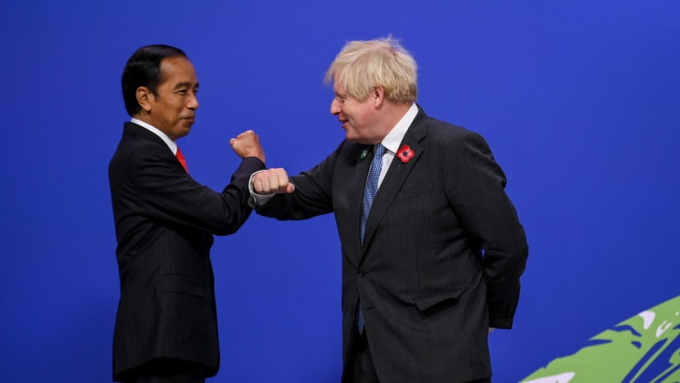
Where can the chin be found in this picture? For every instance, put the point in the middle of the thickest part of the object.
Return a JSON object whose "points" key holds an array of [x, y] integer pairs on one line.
{"points": [[359, 140], [351, 136]]}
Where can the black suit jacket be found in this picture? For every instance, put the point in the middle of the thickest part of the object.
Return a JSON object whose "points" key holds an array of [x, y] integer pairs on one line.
{"points": [[442, 255], [164, 226]]}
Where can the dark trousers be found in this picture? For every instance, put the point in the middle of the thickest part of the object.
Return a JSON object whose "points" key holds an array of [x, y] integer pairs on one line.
{"points": [[164, 370], [359, 367]]}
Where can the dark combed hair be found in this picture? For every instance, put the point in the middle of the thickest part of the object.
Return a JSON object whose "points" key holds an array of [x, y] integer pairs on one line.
{"points": [[144, 69]]}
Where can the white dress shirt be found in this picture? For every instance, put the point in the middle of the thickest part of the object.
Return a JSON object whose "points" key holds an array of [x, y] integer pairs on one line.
{"points": [[171, 144], [393, 139]]}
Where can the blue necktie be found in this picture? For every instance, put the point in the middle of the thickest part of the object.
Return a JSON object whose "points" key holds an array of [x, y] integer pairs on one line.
{"points": [[371, 186], [369, 194]]}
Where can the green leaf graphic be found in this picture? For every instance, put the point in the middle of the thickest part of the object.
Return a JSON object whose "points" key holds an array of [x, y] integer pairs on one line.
{"points": [[642, 349]]}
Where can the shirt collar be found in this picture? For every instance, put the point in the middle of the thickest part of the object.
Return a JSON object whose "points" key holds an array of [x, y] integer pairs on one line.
{"points": [[396, 135], [171, 144]]}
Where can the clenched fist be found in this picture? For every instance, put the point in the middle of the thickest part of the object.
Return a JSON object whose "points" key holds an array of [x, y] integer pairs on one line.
{"points": [[272, 181], [247, 144]]}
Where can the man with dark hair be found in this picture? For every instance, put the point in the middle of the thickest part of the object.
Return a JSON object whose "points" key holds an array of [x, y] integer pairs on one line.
{"points": [[166, 326]]}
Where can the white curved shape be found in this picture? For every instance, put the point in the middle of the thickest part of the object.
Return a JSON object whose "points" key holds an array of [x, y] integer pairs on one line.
{"points": [[561, 378], [662, 328], [647, 318]]}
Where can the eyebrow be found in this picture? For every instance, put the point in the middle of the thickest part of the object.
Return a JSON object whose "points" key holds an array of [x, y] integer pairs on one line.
{"points": [[184, 84]]}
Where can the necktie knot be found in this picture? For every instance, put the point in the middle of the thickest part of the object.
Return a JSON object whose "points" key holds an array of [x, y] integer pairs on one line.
{"points": [[180, 158], [379, 151]]}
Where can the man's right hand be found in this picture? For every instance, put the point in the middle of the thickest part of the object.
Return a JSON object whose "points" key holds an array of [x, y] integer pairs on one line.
{"points": [[272, 181], [247, 144]]}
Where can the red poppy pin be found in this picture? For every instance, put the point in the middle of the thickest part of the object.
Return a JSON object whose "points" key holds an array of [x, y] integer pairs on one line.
{"points": [[405, 153]]}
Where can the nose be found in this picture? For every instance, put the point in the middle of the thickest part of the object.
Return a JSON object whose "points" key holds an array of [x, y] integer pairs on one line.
{"points": [[192, 103], [335, 107]]}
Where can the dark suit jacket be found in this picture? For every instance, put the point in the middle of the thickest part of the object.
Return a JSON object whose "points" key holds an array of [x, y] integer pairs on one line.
{"points": [[164, 225], [442, 255]]}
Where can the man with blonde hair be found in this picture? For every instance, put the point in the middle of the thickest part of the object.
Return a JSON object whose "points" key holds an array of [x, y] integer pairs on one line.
{"points": [[432, 248]]}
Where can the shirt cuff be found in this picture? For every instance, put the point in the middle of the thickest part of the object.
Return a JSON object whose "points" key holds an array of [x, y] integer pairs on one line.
{"points": [[257, 200]]}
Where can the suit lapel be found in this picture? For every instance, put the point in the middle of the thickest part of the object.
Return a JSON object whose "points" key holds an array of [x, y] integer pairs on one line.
{"points": [[395, 177], [353, 178], [132, 129]]}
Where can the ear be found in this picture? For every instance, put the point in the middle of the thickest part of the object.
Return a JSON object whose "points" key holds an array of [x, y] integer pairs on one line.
{"points": [[378, 96], [144, 98]]}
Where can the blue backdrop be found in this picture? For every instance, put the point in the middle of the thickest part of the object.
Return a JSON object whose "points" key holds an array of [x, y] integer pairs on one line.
{"points": [[578, 100]]}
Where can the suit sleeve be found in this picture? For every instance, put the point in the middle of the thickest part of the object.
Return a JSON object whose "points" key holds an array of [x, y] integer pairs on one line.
{"points": [[476, 192], [172, 196], [312, 196]]}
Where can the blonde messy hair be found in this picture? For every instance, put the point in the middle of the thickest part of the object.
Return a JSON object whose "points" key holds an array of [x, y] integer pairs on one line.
{"points": [[362, 66]]}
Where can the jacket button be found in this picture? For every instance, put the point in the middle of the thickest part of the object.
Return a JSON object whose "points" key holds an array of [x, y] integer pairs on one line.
{"points": [[361, 274]]}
